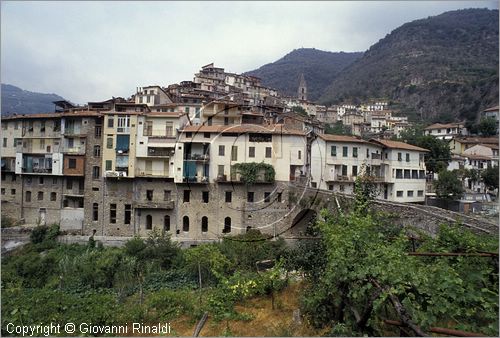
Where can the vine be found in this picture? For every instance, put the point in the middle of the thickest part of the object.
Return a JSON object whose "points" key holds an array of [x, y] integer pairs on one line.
{"points": [[250, 172]]}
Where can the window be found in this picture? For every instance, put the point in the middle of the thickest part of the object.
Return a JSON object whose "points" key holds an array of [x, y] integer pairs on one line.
{"points": [[72, 163], [280, 195], [149, 222], [28, 196], [299, 155], [251, 152], [3, 191], [204, 196], [12, 191], [53, 196], [409, 193], [96, 172], [185, 224], [250, 196], [206, 135], [111, 122], [420, 193], [367, 153], [109, 165], [169, 128], [187, 194], [41, 180], [407, 173], [330, 187], [40, 196], [234, 153], [98, 131], [167, 195], [128, 213], [407, 157], [399, 193], [267, 197], [97, 151], [4, 142], [400, 158], [112, 213], [345, 151], [227, 225], [148, 129], [226, 121], [414, 174], [166, 223], [69, 184], [399, 173], [344, 170], [268, 152], [149, 195], [229, 196], [95, 212], [421, 174], [355, 152], [314, 184], [220, 171], [354, 170], [109, 143], [222, 150], [204, 224], [28, 179], [42, 126]]}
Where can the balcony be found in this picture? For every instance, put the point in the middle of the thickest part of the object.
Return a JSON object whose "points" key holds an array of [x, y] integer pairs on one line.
{"points": [[38, 170], [74, 192], [72, 132], [160, 152], [167, 205], [344, 178], [115, 174], [376, 156], [195, 179], [151, 173], [125, 130], [161, 139], [80, 150], [197, 157]]}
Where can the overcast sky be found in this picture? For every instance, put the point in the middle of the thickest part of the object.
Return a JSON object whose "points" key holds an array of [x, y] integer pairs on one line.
{"points": [[90, 51]]}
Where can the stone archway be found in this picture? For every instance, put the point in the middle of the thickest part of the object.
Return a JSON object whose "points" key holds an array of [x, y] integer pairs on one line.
{"points": [[301, 221]]}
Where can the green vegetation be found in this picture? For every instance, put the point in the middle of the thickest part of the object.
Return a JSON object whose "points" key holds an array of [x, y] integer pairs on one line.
{"points": [[488, 127], [252, 172], [439, 154], [490, 177], [361, 274], [448, 185], [355, 271], [299, 110], [337, 128]]}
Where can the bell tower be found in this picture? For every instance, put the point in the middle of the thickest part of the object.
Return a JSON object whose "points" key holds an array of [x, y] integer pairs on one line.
{"points": [[302, 91]]}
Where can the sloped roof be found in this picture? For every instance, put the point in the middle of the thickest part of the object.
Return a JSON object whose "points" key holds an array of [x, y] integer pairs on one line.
{"points": [[244, 128], [342, 138], [445, 125], [398, 145]]}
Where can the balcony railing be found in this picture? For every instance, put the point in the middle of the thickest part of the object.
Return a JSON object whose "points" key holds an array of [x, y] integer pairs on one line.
{"points": [[376, 156], [74, 150], [345, 178], [74, 192], [39, 170], [160, 152], [197, 157], [151, 173], [195, 179], [123, 129]]}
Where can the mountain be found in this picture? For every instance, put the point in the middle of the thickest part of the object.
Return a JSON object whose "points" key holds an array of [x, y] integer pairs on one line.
{"points": [[439, 68], [319, 68], [19, 101]]}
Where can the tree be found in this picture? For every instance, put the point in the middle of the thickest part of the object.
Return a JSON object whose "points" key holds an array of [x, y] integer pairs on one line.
{"points": [[299, 110], [439, 154], [490, 177], [488, 126], [448, 185], [338, 128]]}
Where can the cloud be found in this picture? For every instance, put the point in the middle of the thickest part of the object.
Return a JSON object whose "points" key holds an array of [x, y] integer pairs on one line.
{"points": [[88, 51]]}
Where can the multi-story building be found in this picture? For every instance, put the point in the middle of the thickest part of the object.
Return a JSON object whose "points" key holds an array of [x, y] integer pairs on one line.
{"points": [[397, 168], [446, 131]]}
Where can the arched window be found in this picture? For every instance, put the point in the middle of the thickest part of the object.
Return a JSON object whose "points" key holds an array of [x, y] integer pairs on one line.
{"points": [[204, 224], [185, 224], [149, 222], [227, 225], [166, 223]]}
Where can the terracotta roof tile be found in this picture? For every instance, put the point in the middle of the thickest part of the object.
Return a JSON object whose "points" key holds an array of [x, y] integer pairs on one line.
{"points": [[244, 128], [341, 138], [398, 145]]}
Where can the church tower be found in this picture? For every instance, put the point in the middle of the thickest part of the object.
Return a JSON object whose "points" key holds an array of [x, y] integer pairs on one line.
{"points": [[302, 91]]}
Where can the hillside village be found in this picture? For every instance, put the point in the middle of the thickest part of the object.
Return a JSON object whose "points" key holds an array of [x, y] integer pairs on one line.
{"points": [[213, 156]]}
